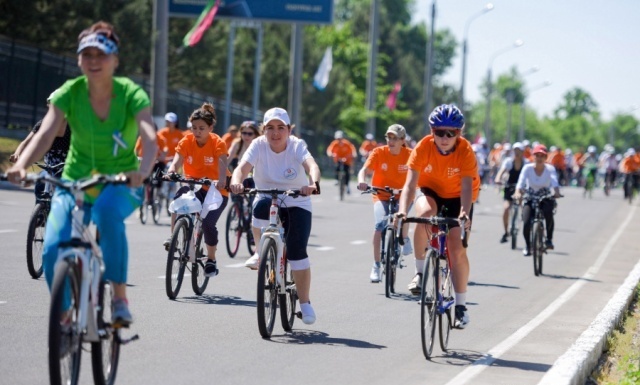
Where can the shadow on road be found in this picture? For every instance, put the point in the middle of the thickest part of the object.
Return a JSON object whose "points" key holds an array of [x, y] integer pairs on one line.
{"points": [[556, 276], [217, 300], [468, 357], [471, 283], [306, 337]]}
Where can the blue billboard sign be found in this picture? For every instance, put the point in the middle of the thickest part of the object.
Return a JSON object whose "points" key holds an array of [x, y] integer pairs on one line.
{"points": [[292, 11]]}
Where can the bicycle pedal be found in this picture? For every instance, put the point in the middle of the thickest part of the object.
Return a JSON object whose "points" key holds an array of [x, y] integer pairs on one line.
{"points": [[124, 341], [299, 314]]}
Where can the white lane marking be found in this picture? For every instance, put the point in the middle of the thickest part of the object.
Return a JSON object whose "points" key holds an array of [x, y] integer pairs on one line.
{"points": [[497, 351], [164, 276], [3, 302], [8, 231], [325, 248], [234, 265], [358, 242]]}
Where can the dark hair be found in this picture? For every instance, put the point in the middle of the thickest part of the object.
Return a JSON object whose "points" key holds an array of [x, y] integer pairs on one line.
{"points": [[102, 28], [207, 113], [252, 125]]}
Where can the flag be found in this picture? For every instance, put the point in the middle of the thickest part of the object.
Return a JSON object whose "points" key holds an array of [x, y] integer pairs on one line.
{"points": [[321, 78], [204, 22], [393, 96]]}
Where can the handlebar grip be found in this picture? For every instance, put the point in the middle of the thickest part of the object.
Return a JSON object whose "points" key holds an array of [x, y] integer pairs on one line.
{"points": [[399, 236], [317, 192]]}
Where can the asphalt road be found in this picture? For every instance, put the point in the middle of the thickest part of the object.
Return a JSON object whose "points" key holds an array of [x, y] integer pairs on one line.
{"points": [[519, 324]]}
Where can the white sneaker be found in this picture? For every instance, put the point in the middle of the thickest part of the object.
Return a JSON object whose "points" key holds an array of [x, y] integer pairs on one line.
{"points": [[406, 248], [415, 286], [375, 274], [308, 315], [253, 262]]}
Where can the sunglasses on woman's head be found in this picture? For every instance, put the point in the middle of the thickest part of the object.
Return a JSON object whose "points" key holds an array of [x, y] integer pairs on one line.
{"points": [[447, 133]]}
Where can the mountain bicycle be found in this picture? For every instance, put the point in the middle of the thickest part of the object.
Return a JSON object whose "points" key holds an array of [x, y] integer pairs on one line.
{"points": [[239, 223], [38, 223], [390, 250], [537, 237], [437, 297], [186, 249]]}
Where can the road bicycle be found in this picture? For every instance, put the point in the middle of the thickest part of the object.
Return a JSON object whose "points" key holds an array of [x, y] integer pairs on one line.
{"points": [[537, 237], [152, 201], [390, 249], [276, 287], [38, 222], [186, 250], [343, 177], [437, 297], [239, 223]]}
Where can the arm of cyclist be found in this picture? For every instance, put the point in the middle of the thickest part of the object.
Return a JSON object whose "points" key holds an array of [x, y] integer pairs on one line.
{"points": [[239, 174], [16, 154], [149, 148], [362, 176], [408, 193], [466, 193], [176, 164], [222, 172], [312, 169]]}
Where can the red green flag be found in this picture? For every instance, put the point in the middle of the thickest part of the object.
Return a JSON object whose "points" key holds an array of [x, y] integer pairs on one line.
{"points": [[204, 22]]}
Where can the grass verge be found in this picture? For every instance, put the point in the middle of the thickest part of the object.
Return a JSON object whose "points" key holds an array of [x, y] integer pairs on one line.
{"points": [[7, 147]]}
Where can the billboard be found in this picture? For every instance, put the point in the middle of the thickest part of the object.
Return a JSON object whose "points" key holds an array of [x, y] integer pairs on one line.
{"points": [[291, 11]]}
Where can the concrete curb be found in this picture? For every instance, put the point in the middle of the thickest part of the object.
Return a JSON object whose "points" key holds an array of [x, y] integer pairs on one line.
{"points": [[577, 363]]}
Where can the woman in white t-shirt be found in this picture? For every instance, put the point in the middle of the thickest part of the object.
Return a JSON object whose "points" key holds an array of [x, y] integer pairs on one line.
{"points": [[537, 176], [282, 161]]}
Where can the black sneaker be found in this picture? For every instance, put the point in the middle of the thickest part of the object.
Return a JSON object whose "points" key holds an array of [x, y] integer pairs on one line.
{"points": [[548, 244], [462, 318], [505, 238], [526, 252], [211, 268]]}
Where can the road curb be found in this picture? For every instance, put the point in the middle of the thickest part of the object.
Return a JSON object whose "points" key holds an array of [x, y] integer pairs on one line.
{"points": [[577, 363]]}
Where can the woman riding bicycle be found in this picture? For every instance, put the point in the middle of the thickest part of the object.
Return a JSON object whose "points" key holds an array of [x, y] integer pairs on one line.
{"points": [[537, 176], [203, 154], [106, 114], [389, 167], [444, 167], [513, 167], [249, 130], [282, 161]]}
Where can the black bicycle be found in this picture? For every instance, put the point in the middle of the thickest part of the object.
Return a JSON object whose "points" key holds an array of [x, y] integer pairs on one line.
{"points": [[514, 212], [152, 201], [343, 177], [239, 223], [537, 237]]}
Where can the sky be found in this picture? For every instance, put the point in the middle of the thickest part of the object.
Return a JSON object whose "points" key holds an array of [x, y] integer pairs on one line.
{"points": [[594, 45]]}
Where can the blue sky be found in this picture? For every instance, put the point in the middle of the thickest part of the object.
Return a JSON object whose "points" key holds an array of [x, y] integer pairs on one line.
{"points": [[591, 44]]}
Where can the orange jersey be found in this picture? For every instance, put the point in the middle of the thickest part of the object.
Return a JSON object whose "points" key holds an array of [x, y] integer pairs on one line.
{"points": [[630, 164], [388, 169], [527, 153], [159, 140], [576, 158], [367, 146], [342, 148], [228, 139], [556, 159], [443, 173], [171, 138], [202, 162]]}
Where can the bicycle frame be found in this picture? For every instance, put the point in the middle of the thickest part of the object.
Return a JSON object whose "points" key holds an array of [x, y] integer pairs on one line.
{"points": [[438, 242], [275, 231]]}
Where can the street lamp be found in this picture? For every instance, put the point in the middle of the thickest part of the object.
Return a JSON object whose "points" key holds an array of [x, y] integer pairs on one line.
{"points": [[476, 15], [510, 96], [428, 73], [516, 44], [546, 83]]}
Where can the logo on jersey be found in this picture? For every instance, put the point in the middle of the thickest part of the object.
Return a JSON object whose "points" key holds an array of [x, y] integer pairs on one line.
{"points": [[451, 171], [290, 174], [384, 167], [208, 160], [428, 169], [190, 159], [403, 168]]}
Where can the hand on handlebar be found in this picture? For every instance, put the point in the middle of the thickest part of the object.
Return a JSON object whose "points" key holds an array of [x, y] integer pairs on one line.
{"points": [[362, 186], [463, 217], [136, 178], [15, 175]]}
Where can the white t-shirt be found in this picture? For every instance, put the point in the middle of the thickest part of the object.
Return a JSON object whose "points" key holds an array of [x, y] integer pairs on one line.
{"points": [[281, 171], [529, 178]]}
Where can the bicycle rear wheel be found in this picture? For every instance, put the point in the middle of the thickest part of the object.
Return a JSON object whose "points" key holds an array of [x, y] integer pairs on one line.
{"points": [[35, 238], [144, 211], [391, 264], [343, 185], [538, 245], [65, 336], [234, 229], [177, 258], [106, 353], [514, 227], [267, 300], [448, 302], [428, 303], [287, 301], [199, 281]]}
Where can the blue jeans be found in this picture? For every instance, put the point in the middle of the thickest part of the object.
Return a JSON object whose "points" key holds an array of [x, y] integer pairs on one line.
{"points": [[114, 204]]}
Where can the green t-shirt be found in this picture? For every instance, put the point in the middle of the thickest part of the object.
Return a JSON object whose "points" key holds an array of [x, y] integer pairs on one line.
{"points": [[93, 147]]}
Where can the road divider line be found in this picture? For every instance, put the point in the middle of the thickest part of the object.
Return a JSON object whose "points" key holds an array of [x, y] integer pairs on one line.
{"points": [[8, 231], [497, 351]]}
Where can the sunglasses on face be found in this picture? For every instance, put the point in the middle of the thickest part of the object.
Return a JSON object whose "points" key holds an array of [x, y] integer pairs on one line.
{"points": [[391, 138], [445, 133], [248, 133]]}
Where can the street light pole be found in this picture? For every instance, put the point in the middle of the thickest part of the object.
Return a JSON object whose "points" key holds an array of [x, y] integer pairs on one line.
{"points": [[522, 109], [510, 98], [428, 76], [487, 118], [484, 10]]}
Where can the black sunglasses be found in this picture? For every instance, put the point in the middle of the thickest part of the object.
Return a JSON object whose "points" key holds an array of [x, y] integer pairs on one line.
{"points": [[247, 133], [447, 133]]}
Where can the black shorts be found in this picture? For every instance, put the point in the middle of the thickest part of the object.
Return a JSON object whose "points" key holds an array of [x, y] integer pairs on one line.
{"points": [[447, 207], [508, 192]]}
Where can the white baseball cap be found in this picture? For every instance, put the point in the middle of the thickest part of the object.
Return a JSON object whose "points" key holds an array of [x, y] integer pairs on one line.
{"points": [[278, 114], [171, 117], [518, 146]]}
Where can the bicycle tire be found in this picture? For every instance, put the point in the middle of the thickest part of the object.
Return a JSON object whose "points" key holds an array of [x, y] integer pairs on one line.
{"points": [[428, 303], [233, 229], [342, 184], [199, 281], [156, 205], [267, 299], [537, 245], [287, 301], [448, 299], [514, 227], [35, 238], [177, 258], [106, 353], [144, 212], [65, 351], [391, 263]]}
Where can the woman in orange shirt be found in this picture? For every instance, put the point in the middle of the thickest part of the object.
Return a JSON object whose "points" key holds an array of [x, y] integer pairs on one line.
{"points": [[443, 165], [388, 164], [202, 154]]}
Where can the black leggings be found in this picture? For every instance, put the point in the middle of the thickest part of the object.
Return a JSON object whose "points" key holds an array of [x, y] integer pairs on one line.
{"points": [[346, 173], [297, 227], [209, 222], [546, 206]]}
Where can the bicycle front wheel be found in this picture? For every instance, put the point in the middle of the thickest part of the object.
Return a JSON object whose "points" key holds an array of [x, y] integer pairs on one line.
{"points": [[156, 204], [429, 303], [106, 353], [538, 247], [177, 258], [514, 227], [35, 239], [392, 263], [267, 300], [287, 301], [448, 302], [65, 336], [343, 185], [234, 229], [199, 281]]}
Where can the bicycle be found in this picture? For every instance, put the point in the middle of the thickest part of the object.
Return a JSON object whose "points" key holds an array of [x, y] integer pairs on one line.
{"points": [[631, 182], [276, 287], [514, 212], [38, 223], [186, 242], [152, 200], [537, 237], [239, 223], [437, 297], [343, 177], [390, 253]]}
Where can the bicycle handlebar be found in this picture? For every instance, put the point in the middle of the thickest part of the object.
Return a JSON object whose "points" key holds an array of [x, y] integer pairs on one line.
{"points": [[78, 185], [275, 192], [436, 221], [387, 189]]}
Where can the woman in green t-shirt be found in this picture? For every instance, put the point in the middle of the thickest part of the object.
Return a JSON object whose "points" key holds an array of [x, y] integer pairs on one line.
{"points": [[106, 114]]}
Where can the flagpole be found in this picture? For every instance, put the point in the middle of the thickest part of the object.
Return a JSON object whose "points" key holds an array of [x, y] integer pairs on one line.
{"points": [[229, 83], [373, 66]]}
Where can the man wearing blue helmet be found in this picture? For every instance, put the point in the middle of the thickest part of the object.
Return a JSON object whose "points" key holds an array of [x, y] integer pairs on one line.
{"points": [[444, 167]]}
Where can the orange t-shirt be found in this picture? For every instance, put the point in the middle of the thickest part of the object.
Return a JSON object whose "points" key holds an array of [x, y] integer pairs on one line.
{"points": [[443, 173], [630, 164], [367, 146], [388, 169], [228, 139], [527, 153], [342, 148], [161, 145], [556, 159], [171, 138], [202, 162]]}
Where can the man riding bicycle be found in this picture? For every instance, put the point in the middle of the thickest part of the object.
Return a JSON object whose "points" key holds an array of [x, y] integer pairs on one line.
{"points": [[342, 150]]}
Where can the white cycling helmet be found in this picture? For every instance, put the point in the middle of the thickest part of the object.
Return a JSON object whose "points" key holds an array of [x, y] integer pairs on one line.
{"points": [[338, 135], [591, 149]]}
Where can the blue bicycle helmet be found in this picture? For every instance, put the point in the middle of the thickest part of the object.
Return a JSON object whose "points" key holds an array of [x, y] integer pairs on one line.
{"points": [[446, 115]]}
